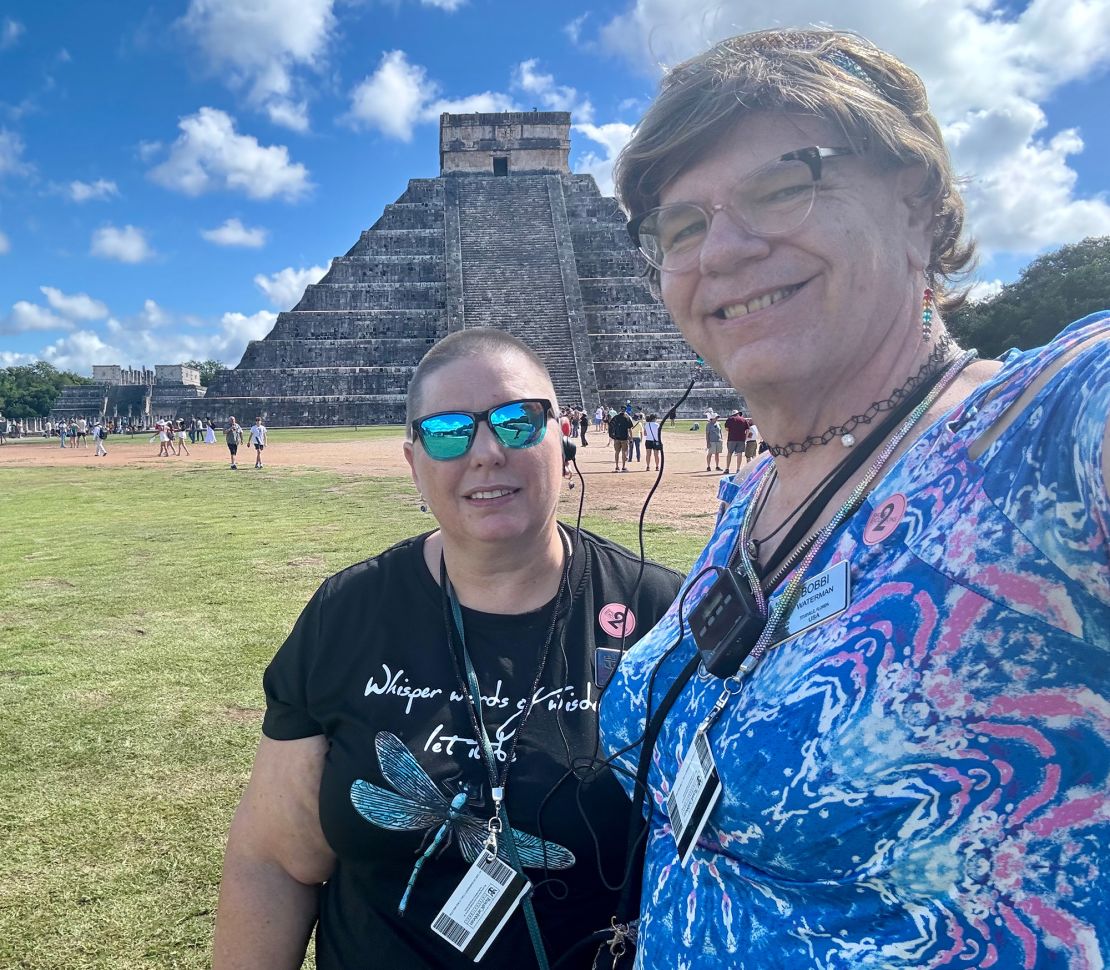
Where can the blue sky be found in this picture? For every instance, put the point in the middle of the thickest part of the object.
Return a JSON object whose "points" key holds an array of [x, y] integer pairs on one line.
{"points": [[173, 174]]}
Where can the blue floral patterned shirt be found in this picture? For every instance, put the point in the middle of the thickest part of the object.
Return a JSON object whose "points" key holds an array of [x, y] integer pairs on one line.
{"points": [[923, 780]]}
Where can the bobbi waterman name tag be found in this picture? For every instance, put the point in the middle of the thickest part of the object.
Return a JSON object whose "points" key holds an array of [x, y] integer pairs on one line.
{"points": [[480, 906], [822, 597], [695, 791]]}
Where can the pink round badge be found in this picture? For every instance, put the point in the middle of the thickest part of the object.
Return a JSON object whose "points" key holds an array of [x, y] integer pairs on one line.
{"points": [[617, 620], [884, 520]]}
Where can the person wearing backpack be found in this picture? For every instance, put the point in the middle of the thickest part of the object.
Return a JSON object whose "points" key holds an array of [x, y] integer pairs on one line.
{"points": [[100, 432]]}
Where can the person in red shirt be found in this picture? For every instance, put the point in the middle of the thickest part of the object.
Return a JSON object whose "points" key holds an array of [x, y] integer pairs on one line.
{"points": [[737, 427]]}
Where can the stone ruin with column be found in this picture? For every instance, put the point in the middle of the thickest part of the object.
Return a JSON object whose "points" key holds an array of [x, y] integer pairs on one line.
{"points": [[131, 394], [505, 237]]}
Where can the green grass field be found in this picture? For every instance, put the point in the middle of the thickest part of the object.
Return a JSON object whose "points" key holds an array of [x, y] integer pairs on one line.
{"points": [[138, 608]]}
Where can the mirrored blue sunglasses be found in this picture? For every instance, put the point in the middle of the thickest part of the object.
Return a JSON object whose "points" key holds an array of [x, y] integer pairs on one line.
{"points": [[515, 424]]}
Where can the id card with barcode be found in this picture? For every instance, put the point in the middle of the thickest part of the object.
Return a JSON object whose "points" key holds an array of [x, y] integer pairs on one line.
{"points": [[480, 906], [695, 792]]}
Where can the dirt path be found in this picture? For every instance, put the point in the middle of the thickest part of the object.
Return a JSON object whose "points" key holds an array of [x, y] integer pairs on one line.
{"points": [[685, 499]]}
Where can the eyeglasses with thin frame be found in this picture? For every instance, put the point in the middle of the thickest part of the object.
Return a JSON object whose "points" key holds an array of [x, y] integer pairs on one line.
{"points": [[515, 424], [771, 201]]}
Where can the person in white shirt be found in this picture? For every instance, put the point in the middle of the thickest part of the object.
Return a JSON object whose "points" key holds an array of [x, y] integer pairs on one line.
{"points": [[258, 439], [653, 447], [99, 433]]}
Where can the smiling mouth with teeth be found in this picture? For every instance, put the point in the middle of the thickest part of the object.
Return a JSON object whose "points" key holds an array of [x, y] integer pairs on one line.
{"points": [[759, 303], [492, 493]]}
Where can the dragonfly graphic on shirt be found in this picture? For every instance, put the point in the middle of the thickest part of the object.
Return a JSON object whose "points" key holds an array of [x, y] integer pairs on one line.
{"points": [[417, 802]]}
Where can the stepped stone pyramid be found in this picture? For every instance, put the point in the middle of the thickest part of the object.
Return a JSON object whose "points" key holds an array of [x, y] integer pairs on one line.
{"points": [[505, 237]]}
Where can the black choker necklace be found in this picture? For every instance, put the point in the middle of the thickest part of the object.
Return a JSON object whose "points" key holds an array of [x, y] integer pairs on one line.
{"points": [[932, 365]]}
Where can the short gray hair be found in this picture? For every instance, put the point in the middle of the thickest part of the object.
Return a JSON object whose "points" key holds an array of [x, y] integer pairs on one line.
{"points": [[460, 345]]}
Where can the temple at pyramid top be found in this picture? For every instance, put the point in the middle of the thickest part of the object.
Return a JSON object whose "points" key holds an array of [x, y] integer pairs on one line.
{"points": [[505, 236], [506, 143]]}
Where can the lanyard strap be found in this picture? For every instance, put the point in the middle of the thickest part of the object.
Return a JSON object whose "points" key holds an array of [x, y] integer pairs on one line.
{"points": [[499, 822], [808, 551]]}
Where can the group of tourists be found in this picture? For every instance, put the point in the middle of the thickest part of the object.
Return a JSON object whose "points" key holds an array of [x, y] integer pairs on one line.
{"points": [[738, 436], [868, 730]]}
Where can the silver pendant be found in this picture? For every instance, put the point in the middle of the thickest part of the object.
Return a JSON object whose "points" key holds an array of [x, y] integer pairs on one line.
{"points": [[847, 440]]}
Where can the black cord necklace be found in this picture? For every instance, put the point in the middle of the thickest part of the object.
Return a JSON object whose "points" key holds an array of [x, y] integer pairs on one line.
{"points": [[932, 366], [834, 480]]}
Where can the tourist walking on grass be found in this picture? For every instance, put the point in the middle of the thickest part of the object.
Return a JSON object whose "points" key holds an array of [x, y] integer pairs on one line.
{"points": [[62, 430], [233, 435], [179, 434], [713, 443], [908, 721], [583, 424], [376, 783], [258, 440], [82, 433], [163, 435], [100, 432]]}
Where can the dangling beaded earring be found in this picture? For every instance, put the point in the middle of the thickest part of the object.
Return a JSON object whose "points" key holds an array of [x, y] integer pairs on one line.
{"points": [[927, 314]]}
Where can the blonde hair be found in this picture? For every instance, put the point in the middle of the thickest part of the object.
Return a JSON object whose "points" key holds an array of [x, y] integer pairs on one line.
{"points": [[872, 97]]}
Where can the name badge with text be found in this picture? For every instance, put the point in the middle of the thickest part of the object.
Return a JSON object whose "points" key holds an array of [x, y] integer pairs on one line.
{"points": [[480, 906], [823, 596], [695, 792]]}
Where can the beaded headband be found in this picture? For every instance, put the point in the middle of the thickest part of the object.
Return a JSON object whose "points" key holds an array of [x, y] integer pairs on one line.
{"points": [[848, 64]]}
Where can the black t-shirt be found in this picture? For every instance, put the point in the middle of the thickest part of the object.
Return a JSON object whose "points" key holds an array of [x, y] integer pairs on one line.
{"points": [[619, 426], [368, 665]]}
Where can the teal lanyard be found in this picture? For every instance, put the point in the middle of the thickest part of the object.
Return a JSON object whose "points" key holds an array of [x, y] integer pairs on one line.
{"points": [[499, 822]]}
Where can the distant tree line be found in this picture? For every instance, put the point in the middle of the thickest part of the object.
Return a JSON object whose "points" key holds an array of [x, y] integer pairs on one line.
{"points": [[31, 390], [1053, 290], [208, 369]]}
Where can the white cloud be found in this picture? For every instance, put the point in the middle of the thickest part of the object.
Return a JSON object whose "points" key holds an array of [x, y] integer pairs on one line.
{"points": [[289, 114], [234, 233], [982, 290], [9, 358], [78, 306], [149, 150], [449, 5], [11, 154], [285, 287], [28, 317], [84, 191], [1021, 197], [988, 69], [152, 315], [5, 244], [10, 32], [259, 46], [128, 245], [78, 351], [210, 154], [553, 97], [573, 30], [392, 97], [152, 336], [612, 137], [399, 95]]}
